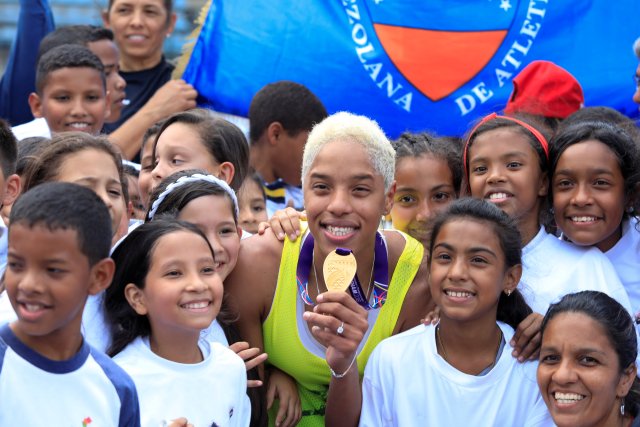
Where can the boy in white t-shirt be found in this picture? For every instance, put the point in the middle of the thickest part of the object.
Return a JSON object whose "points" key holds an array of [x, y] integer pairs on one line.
{"points": [[59, 240]]}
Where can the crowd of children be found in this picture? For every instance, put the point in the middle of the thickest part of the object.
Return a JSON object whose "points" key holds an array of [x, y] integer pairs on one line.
{"points": [[496, 276]]}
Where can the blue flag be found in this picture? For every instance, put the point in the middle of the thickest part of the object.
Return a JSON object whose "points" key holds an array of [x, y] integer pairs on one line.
{"points": [[18, 81], [411, 64]]}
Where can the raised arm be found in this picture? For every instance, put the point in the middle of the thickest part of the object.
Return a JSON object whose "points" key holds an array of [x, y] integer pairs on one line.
{"points": [[173, 97]]}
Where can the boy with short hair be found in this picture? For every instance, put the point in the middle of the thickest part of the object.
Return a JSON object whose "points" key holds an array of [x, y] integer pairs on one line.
{"points": [[59, 241], [70, 92], [281, 116], [100, 42]]}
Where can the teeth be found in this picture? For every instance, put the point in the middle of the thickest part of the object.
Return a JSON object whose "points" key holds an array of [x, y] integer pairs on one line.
{"points": [[498, 196], [568, 397], [458, 294], [79, 125], [583, 218], [339, 231], [196, 305], [136, 37], [33, 307]]}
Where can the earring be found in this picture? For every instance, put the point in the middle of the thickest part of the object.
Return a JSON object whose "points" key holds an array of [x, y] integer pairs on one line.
{"points": [[508, 292], [622, 407]]}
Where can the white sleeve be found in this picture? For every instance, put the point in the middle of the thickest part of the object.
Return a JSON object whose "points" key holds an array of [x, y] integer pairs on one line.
{"points": [[603, 277], [243, 416], [539, 416], [374, 411]]}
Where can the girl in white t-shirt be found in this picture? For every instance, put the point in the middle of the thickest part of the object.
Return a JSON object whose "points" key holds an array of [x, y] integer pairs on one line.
{"points": [[594, 189], [165, 292], [458, 373]]}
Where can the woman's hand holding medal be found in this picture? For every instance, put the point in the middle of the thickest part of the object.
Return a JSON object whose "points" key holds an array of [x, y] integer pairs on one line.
{"points": [[338, 322]]}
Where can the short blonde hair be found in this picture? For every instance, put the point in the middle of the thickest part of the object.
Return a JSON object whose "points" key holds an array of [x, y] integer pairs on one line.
{"points": [[350, 127]]}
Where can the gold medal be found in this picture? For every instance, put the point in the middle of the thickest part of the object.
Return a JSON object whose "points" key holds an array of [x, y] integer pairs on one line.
{"points": [[339, 269]]}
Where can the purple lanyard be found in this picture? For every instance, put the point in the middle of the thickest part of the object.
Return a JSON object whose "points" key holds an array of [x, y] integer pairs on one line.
{"points": [[380, 274]]}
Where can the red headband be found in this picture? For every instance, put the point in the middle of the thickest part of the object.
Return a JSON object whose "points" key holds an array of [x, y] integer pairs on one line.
{"points": [[541, 139]]}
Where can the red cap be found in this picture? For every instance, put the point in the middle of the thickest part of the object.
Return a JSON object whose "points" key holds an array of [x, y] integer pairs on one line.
{"points": [[544, 89]]}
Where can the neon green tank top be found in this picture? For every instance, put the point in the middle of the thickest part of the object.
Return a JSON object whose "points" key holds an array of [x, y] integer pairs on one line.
{"points": [[282, 338]]}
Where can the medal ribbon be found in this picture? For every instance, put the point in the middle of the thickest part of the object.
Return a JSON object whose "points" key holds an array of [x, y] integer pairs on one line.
{"points": [[380, 274]]}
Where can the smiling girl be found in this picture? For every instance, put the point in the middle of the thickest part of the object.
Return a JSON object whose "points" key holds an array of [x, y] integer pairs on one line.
{"points": [[595, 190], [164, 293], [457, 372]]}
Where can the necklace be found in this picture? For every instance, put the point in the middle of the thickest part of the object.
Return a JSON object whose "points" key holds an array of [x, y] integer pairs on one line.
{"points": [[446, 357], [315, 273], [378, 286]]}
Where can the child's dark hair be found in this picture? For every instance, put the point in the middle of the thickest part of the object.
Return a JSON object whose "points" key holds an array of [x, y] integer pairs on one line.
{"points": [[47, 167], [604, 114], [179, 197], [66, 206], [8, 150], [28, 151], [423, 144], [291, 104], [151, 132], [620, 143], [73, 34], [511, 309], [224, 140], [524, 128], [253, 176], [617, 324], [133, 260], [67, 56]]}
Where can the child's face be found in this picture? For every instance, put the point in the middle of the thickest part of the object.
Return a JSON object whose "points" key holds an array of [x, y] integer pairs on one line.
{"points": [[424, 187], [467, 272], [504, 169], [213, 215], [109, 55], [96, 170], [139, 210], [578, 358], [73, 99], [146, 166], [182, 291], [588, 195], [286, 158], [253, 208], [179, 148], [48, 279]]}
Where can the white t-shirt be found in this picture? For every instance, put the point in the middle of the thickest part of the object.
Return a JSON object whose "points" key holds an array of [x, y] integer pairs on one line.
{"points": [[213, 390], [406, 383], [552, 268], [36, 391], [625, 257], [36, 127]]}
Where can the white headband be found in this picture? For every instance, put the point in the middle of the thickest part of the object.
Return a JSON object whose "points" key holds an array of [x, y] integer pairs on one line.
{"points": [[193, 178]]}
